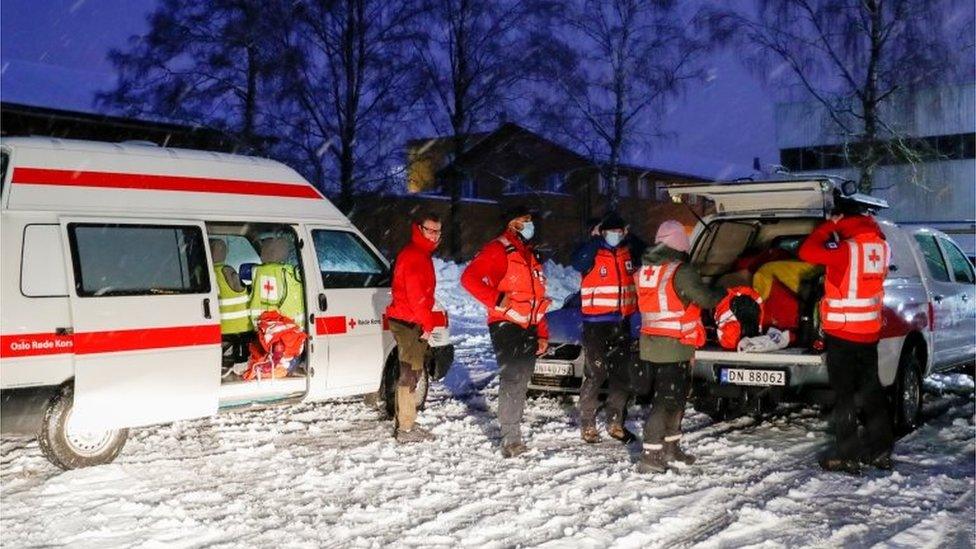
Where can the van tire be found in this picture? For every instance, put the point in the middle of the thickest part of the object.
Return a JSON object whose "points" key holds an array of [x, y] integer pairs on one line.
{"points": [[387, 394], [907, 397], [69, 452]]}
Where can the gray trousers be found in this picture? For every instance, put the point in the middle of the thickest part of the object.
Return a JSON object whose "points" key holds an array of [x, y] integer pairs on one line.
{"points": [[515, 349]]}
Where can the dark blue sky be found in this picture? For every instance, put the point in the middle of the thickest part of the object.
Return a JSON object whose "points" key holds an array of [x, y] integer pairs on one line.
{"points": [[53, 53]]}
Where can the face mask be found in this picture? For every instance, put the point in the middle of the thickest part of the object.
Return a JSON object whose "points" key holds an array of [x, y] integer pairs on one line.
{"points": [[528, 230], [613, 238]]}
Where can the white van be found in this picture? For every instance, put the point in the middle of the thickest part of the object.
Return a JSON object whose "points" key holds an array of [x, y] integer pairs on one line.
{"points": [[110, 312]]}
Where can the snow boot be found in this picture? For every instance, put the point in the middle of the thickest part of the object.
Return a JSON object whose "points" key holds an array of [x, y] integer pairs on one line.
{"points": [[416, 434], [590, 435], [836, 464], [514, 449], [652, 461], [881, 461], [619, 432], [673, 452]]}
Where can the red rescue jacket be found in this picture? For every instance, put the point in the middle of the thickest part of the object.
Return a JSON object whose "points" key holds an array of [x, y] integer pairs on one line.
{"points": [[856, 269], [727, 326], [507, 266], [609, 286], [662, 311], [414, 283]]}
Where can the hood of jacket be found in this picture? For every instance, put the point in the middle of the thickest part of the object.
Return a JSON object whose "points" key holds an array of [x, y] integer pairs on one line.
{"points": [[854, 225], [418, 239], [659, 254]]}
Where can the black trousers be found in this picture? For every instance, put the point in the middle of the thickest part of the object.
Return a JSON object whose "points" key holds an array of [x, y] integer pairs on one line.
{"points": [[670, 389], [607, 349], [853, 370], [515, 349]]}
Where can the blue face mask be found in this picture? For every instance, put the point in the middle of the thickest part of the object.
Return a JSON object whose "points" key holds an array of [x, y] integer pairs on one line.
{"points": [[613, 238], [528, 230]]}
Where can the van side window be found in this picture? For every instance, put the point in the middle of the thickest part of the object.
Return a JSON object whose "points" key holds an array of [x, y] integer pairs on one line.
{"points": [[933, 257], [42, 271], [962, 270], [4, 162], [114, 260], [346, 262]]}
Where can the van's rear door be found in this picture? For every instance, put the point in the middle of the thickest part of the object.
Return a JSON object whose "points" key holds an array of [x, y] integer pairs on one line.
{"points": [[146, 328], [812, 197]]}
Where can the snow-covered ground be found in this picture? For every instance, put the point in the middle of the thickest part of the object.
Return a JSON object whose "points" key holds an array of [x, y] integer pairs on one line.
{"points": [[328, 475]]}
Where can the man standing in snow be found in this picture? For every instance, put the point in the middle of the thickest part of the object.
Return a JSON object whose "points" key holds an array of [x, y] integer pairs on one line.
{"points": [[853, 249], [670, 296], [507, 278], [412, 320], [608, 298]]}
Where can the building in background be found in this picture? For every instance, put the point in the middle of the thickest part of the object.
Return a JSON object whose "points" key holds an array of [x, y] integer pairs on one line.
{"points": [[938, 191], [514, 165]]}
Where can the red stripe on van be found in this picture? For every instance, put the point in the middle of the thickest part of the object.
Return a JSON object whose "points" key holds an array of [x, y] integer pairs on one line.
{"points": [[12, 346], [21, 345], [147, 182], [146, 338], [330, 325]]}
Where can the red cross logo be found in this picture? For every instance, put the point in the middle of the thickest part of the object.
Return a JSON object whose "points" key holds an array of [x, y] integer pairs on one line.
{"points": [[874, 258], [268, 286], [352, 323]]}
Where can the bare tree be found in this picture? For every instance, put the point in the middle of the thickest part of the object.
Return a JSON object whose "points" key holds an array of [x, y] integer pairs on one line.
{"points": [[351, 80], [474, 56], [200, 62], [854, 57], [613, 65]]}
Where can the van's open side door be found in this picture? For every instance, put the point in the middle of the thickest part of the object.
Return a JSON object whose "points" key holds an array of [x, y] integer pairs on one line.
{"points": [[145, 321], [812, 197]]}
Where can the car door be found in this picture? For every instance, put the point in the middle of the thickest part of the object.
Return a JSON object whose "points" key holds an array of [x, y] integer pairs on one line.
{"points": [[351, 295], [963, 304], [942, 299], [145, 325]]}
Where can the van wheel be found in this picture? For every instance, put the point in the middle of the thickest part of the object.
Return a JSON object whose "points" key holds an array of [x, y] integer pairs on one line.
{"points": [[70, 448], [908, 393], [391, 375]]}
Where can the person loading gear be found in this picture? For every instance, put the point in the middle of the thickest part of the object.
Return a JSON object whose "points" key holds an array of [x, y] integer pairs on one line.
{"points": [[608, 298], [232, 300], [277, 285], [412, 320], [850, 312], [670, 296], [507, 278]]}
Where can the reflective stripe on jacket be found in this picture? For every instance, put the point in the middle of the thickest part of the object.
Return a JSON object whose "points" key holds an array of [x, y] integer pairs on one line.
{"points": [[662, 311], [524, 284], [277, 287], [235, 315], [854, 306], [609, 286]]}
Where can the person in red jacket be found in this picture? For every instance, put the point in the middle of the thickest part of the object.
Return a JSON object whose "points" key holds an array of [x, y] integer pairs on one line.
{"points": [[853, 249], [411, 319], [507, 278]]}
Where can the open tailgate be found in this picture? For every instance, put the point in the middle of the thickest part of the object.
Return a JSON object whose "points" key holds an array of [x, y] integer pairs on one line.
{"points": [[803, 196]]}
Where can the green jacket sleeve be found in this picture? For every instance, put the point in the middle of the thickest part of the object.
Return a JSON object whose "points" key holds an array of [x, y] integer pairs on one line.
{"points": [[692, 289]]}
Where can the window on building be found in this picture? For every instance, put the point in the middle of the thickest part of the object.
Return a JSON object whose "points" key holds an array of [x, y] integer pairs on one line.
{"points": [[645, 188], [111, 260], [42, 271], [623, 186], [602, 185], [661, 191], [469, 188], [933, 257], [556, 183], [517, 184], [962, 270], [346, 262]]}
